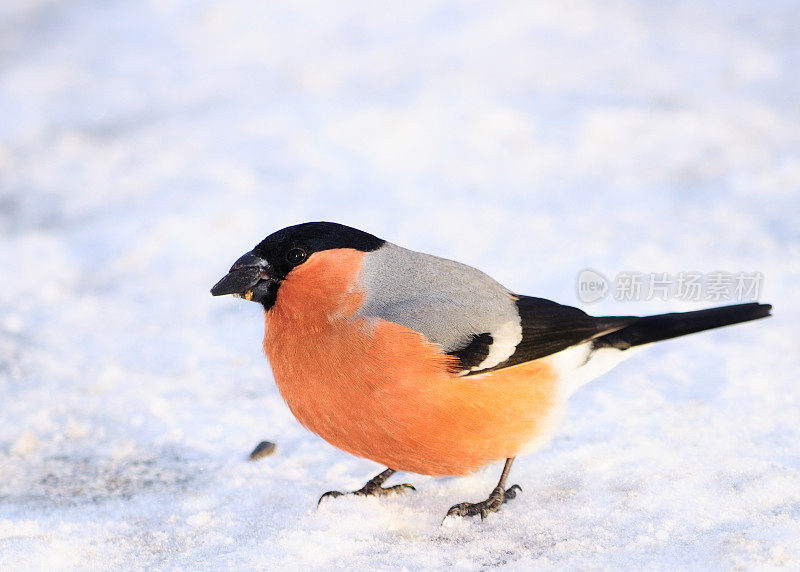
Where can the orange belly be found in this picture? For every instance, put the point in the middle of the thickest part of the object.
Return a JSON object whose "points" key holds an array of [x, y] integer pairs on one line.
{"points": [[381, 391]]}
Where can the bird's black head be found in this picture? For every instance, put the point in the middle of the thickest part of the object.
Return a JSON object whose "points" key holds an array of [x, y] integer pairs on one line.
{"points": [[258, 274]]}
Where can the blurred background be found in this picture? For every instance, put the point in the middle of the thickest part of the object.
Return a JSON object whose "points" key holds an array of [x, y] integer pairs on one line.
{"points": [[144, 146]]}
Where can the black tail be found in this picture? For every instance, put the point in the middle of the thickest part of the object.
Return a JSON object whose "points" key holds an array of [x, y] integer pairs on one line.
{"points": [[666, 326]]}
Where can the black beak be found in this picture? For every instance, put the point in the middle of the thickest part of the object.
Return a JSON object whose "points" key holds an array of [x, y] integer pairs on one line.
{"points": [[243, 275]]}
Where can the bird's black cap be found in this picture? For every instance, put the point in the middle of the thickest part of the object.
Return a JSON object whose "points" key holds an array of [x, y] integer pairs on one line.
{"points": [[258, 273], [314, 237]]}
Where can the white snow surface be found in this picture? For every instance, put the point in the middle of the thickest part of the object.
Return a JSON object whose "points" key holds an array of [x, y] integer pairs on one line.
{"points": [[144, 146]]}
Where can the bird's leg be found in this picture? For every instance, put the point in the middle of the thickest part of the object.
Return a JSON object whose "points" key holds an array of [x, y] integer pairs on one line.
{"points": [[373, 487], [496, 499]]}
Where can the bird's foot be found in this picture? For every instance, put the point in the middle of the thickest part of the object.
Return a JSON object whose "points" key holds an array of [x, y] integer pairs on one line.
{"points": [[492, 504], [371, 489]]}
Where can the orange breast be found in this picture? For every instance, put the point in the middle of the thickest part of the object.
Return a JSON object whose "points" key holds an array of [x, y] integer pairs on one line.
{"points": [[379, 390]]}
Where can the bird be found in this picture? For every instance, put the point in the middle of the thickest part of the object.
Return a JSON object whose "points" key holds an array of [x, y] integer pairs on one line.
{"points": [[426, 365]]}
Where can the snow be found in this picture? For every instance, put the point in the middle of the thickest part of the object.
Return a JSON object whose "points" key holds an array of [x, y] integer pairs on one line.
{"points": [[145, 145]]}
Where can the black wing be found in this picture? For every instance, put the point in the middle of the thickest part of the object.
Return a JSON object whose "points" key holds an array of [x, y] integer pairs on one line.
{"points": [[547, 328]]}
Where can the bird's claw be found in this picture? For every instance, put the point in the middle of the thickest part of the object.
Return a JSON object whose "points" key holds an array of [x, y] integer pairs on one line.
{"points": [[370, 490], [492, 504], [511, 492], [331, 494], [483, 508], [381, 491]]}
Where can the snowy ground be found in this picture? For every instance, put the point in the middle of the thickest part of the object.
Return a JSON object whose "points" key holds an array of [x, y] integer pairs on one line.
{"points": [[145, 145]]}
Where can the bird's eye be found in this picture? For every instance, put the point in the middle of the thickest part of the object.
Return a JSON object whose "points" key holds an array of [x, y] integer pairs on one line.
{"points": [[295, 256]]}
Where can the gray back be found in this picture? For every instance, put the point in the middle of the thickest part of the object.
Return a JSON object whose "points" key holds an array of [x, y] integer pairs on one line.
{"points": [[448, 302]]}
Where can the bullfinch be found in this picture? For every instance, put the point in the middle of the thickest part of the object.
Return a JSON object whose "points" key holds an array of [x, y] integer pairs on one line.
{"points": [[423, 364]]}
